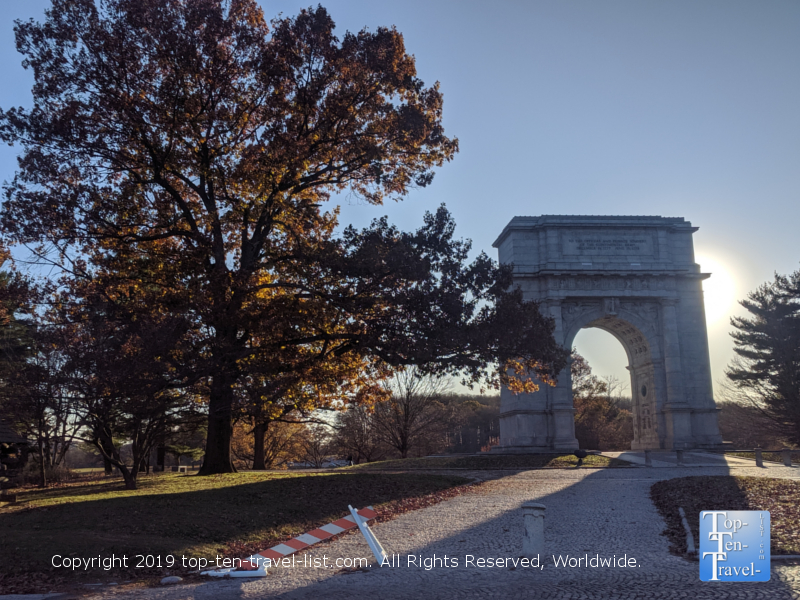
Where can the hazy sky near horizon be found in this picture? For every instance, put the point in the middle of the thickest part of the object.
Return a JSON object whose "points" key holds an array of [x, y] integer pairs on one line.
{"points": [[679, 108]]}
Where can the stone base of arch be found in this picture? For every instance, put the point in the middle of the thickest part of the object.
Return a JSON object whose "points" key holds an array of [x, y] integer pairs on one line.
{"points": [[553, 431], [544, 431], [541, 422]]}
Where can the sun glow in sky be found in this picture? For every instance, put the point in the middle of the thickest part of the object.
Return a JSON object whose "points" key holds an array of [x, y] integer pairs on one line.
{"points": [[720, 291]]}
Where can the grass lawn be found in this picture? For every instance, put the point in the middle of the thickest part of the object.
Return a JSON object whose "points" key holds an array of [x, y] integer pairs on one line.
{"points": [[178, 514], [781, 497], [493, 461]]}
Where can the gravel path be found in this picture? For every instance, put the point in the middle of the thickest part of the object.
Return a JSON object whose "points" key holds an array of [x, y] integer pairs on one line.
{"points": [[589, 511]]}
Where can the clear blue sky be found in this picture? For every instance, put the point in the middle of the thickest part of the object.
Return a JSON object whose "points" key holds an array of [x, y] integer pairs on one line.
{"points": [[678, 108]]}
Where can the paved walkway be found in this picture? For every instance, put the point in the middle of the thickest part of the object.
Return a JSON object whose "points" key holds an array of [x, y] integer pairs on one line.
{"points": [[666, 459], [589, 511]]}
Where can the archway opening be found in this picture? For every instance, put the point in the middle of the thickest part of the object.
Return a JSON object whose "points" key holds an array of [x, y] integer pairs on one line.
{"points": [[607, 358], [615, 402]]}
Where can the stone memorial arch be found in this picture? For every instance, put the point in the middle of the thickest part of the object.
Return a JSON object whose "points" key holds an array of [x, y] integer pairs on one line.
{"points": [[636, 278]]}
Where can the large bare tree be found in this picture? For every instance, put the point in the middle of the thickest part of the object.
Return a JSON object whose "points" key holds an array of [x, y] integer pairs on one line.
{"points": [[413, 410]]}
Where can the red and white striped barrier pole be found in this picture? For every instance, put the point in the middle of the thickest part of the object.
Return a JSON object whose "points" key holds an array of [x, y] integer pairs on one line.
{"points": [[256, 564]]}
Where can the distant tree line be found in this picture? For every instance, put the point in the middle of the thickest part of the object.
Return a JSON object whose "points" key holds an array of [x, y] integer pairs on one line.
{"points": [[418, 417], [603, 421]]}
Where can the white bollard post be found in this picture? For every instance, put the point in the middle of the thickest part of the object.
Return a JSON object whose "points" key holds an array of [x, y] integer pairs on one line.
{"points": [[759, 458], [377, 549], [533, 536], [648, 460], [787, 457]]}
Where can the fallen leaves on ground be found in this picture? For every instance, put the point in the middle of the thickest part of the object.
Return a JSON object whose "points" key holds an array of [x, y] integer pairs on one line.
{"points": [[781, 497]]}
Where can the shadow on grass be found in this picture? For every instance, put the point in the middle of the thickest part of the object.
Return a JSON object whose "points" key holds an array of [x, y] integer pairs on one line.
{"points": [[196, 523], [74, 488]]}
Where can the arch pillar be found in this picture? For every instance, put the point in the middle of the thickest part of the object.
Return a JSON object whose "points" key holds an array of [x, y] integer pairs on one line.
{"points": [[677, 412], [562, 411]]}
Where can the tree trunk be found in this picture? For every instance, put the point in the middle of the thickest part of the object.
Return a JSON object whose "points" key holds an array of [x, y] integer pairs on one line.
{"points": [[161, 449], [41, 463], [108, 450], [404, 445], [129, 475], [259, 432], [161, 457], [220, 429]]}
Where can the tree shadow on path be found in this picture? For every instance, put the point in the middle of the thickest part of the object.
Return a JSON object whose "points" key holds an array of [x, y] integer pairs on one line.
{"points": [[607, 512]]}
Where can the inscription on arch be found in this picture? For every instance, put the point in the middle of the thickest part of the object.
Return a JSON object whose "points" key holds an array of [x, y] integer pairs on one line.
{"points": [[594, 243]]}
